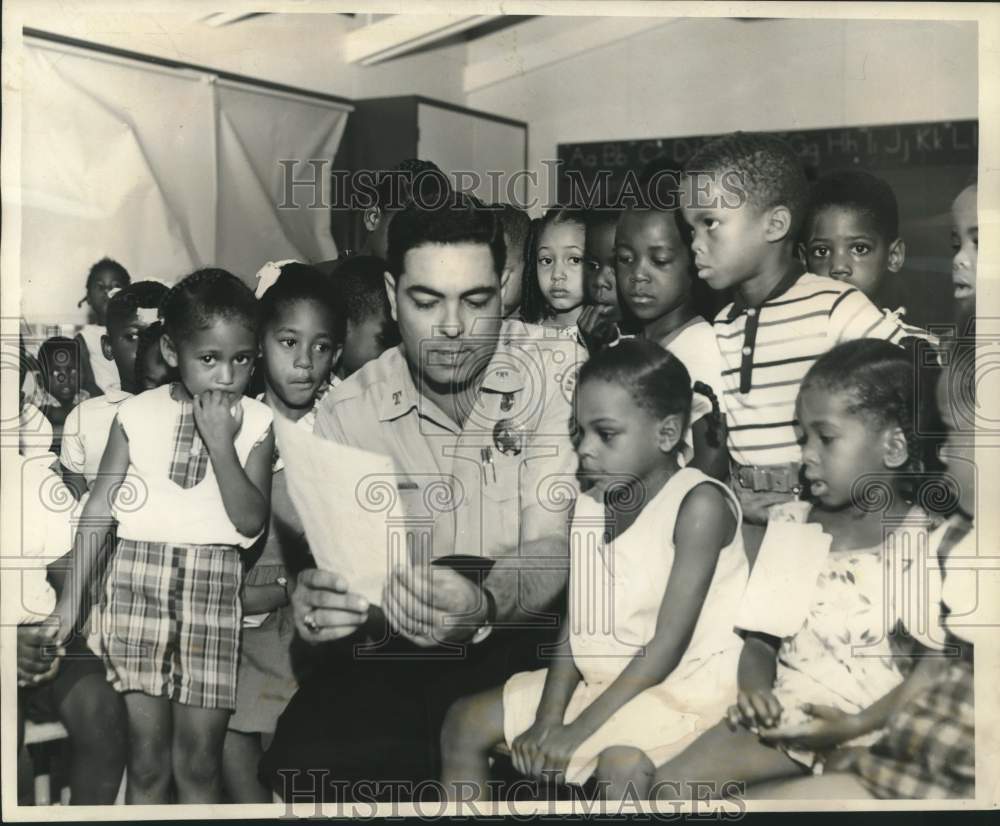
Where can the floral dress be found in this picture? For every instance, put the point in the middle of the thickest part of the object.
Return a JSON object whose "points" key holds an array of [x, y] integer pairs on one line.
{"points": [[845, 653]]}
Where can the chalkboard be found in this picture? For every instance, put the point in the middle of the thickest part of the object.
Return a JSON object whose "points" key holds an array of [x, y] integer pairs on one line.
{"points": [[926, 164]]}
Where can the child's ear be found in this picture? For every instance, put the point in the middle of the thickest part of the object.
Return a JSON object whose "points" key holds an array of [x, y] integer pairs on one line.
{"points": [[897, 255], [670, 432], [778, 223], [371, 217], [168, 351], [390, 290], [106, 347], [895, 451]]}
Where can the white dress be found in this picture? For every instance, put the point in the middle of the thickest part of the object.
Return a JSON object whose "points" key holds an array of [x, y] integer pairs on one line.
{"points": [[616, 590]]}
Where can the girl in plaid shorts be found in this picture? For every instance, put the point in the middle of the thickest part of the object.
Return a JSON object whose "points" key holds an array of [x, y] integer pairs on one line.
{"points": [[187, 475]]}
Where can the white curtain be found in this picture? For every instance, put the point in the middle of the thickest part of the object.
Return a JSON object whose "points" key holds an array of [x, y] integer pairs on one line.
{"points": [[164, 170]]}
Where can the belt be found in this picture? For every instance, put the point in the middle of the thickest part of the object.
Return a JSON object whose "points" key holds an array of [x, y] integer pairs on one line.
{"points": [[768, 478]]}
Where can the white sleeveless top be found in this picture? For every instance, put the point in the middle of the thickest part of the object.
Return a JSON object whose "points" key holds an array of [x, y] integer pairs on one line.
{"points": [[616, 588], [150, 506]]}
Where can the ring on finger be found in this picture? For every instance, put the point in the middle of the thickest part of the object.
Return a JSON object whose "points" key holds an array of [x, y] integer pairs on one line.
{"points": [[309, 621]]}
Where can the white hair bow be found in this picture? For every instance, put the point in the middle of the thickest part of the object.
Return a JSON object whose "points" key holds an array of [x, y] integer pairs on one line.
{"points": [[268, 274], [147, 315], [113, 292]]}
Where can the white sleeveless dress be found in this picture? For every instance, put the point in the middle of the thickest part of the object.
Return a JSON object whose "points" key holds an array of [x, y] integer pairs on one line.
{"points": [[616, 590]]}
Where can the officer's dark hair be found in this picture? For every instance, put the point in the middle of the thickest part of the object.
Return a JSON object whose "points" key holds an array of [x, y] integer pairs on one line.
{"points": [[460, 222]]}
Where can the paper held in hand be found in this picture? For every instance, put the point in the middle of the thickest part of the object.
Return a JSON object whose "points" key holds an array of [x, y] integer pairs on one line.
{"points": [[326, 481]]}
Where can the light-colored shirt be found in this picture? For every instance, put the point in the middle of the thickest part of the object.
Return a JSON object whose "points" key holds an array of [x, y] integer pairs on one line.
{"points": [[481, 483], [44, 507], [105, 370], [766, 351], [85, 433], [152, 507]]}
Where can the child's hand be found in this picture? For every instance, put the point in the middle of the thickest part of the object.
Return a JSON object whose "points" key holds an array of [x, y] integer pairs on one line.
{"points": [[36, 662], [759, 709], [554, 753], [596, 325], [526, 748], [829, 728], [218, 415]]}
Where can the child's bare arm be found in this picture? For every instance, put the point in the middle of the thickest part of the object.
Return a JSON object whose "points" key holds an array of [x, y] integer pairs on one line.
{"points": [[246, 493], [755, 702], [704, 526], [560, 682], [95, 528], [76, 482]]}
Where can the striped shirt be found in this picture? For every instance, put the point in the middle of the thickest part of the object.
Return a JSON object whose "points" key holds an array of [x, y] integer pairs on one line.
{"points": [[766, 352]]}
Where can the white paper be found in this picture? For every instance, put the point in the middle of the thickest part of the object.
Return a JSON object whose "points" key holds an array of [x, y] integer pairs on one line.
{"points": [[323, 480], [783, 581]]}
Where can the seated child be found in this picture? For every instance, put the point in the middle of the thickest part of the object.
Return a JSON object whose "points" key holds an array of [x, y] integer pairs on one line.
{"points": [[851, 233], [928, 748], [98, 372], [965, 244], [648, 653], [128, 312], [600, 322], [823, 664], [744, 197], [553, 285], [370, 329], [654, 280], [151, 369], [200, 452], [517, 237], [301, 329], [60, 391], [67, 681]]}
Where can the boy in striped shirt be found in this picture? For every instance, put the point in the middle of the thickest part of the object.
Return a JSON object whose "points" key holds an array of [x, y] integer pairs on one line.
{"points": [[745, 196]]}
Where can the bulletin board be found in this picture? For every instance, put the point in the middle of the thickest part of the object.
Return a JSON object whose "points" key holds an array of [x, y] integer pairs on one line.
{"points": [[927, 164]]}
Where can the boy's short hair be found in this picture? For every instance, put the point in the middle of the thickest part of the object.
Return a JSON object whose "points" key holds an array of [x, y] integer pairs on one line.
{"points": [[412, 180], [124, 304], [769, 171], [516, 228], [360, 285], [857, 190], [460, 223]]}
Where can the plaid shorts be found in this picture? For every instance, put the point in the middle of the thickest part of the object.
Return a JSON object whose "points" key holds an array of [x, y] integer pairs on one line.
{"points": [[928, 749], [170, 621]]}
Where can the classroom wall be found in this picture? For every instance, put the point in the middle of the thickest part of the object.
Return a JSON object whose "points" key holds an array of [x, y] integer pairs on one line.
{"points": [[295, 49], [703, 76]]}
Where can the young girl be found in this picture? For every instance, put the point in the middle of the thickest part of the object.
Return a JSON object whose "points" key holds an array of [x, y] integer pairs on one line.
{"points": [[98, 374], [928, 748], [553, 295], [301, 331], [59, 389], [965, 244], [821, 667], [187, 475], [655, 283], [648, 652]]}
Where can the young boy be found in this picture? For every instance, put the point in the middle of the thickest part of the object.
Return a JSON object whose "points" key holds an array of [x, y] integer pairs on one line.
{"points": [[130, 310], [600, 322], [851, 233], [370, 329], [516, 235], [151, 369], [744, 197], [59, 388]]}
